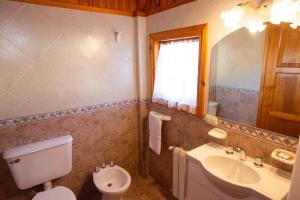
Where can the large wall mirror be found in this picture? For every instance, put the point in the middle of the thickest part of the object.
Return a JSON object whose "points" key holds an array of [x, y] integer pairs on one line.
{"points": [[255, 79]]}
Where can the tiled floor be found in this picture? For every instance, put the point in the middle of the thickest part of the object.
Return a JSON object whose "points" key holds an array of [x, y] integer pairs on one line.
{"points": [[145, 189], [142, 189]]}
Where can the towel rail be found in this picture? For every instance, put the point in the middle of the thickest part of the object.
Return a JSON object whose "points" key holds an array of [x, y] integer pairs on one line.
{"points": [[170, 148]]}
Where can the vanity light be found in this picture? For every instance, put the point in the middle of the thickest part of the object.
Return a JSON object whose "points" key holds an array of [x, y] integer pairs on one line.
{"points": [[257, 26], [255, 17], [296, 21], [233, 17], [254, 14], [283, 11]]}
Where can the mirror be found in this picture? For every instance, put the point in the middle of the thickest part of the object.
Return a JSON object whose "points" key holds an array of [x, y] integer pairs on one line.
{"points": [[235, 76], [244, 76]]}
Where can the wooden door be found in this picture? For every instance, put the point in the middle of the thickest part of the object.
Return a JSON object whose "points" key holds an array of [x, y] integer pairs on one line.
{"points": [[279, 108]]}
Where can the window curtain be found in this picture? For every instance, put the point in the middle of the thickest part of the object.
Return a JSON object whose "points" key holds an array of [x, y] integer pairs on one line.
{"points": [[176, 75]]}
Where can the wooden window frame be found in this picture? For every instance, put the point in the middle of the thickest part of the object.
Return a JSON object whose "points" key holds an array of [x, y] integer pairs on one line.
{"points": [[198, 31]]}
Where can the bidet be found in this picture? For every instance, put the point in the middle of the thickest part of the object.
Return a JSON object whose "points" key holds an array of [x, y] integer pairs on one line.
{"points": [[112, 181]]}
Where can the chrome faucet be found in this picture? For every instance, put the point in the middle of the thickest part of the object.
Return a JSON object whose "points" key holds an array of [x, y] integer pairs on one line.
{"points": [[97, 169], [243, 155], [112, 163], [103, 165]]}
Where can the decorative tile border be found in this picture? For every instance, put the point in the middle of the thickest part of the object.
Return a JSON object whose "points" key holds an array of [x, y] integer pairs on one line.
{"points": [[239, 90], [283, 140], [70, 112], [286, 141]]}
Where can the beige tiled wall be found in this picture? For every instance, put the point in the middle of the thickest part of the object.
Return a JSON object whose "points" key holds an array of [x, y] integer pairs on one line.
{"points": [[108, 134], [57, 59], [53, 59]]}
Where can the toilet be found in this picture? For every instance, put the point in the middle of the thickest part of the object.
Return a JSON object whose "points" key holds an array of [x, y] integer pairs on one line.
{"points": [[112, 181], [41, 162]]}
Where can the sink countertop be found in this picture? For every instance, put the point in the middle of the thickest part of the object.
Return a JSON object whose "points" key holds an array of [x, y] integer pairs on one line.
{"points": [[274, 183]]}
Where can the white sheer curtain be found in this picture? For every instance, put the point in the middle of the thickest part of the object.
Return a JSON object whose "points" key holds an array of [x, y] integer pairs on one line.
{"points": [[176, 74]]}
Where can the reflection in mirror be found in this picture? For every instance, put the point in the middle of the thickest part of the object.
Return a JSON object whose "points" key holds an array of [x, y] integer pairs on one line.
{"points": [[235, 76], [255, 79]]}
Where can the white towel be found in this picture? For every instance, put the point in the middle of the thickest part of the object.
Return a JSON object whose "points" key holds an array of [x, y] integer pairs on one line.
{"points": [[182, 175], [294, 192], [175, 171], [155, 124], [179, 173]]}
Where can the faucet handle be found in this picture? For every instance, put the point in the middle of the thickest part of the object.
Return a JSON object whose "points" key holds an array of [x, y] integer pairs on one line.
{"points": [[237, 149], [229, 149], [97, 169], [112, 163], [258, 161], [243, 155], [103, 165]]}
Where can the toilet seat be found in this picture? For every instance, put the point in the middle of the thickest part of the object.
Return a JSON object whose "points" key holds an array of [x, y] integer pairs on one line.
{"points": [[56, 193]]}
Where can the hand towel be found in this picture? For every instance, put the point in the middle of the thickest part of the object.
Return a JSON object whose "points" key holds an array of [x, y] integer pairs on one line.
{"points": [[155, 124], [182, 175], [175, 171]]}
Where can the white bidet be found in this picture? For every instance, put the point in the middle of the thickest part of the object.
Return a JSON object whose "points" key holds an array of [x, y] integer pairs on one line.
{"points": [[112, 182]]}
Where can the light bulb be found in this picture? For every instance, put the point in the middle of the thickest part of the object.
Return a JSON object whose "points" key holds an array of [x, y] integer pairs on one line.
{"points": [[294, 26], [283, 11], [296, 22], [232, 17], [256, 27], [274, 11], [254, 20]]}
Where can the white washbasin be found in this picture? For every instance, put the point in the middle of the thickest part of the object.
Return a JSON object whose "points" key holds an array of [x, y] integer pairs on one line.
{"points": [[230, 169], [240, 179]]}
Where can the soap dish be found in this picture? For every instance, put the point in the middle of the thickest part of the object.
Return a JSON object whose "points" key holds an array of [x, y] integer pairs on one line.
{"points": [[284, 156], [218, 133]]}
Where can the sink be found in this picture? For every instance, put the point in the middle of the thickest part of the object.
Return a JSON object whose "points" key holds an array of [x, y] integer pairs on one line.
{"points": [[229, 169], [225, 174]]}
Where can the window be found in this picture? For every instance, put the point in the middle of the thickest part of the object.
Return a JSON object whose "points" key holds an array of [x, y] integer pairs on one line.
{"points": [[177, 74], [178, 69]]}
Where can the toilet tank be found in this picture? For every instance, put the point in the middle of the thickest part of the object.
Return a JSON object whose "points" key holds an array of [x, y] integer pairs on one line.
{"points": [[212, 108], [39, 162]]}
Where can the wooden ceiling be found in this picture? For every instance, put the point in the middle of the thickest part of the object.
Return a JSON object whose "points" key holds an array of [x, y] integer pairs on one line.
{"points": [[120, 7]]}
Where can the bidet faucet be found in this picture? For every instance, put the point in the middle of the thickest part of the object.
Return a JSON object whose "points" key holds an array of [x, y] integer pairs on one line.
{"points": [[243, 155], [112, 163], [97, 169], [103, 165]]}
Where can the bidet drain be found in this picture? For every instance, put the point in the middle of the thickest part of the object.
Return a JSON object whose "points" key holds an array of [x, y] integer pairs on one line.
{"points": [[109, 184]]}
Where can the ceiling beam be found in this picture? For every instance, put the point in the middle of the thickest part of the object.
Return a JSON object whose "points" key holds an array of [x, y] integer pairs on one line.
{"points": [[119, 7]]}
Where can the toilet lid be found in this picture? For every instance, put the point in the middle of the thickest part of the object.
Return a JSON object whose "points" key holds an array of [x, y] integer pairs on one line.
{"points": [[57, 193]]}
